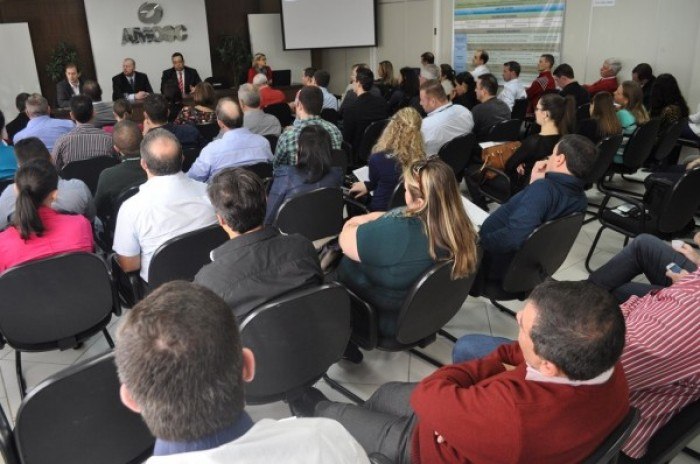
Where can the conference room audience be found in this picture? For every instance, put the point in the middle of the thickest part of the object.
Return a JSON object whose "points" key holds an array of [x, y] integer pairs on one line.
{"points": [[307, 76], [465, 91], [447, 79], [386, 82], [185, 77], [398, 148], [667, 101], [385, 253], [427, 58], [566, 81], [168, 204], [237, 147], [130, 84], [608, 77], [631, 111], [643, 75], [38, 231], [322, 79], [258, 263], [202, 111], [21, 120], [513, 89], [268, 95], [41, 124], [312, 171], [121, 111], [255, 119], [491, 110], [603, 121], [349, 96], [445, 120], [366, 109], [543, 83], [259, 66], [74, 196], [407, 93], [70, 86], [8, 162], [155, 115], [104, 111], [429, 72], [84, 141], [479, 60], [182, 367]]}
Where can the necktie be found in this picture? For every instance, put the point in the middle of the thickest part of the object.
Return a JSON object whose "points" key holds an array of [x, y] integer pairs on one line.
{"points": [[181, 82], [131, 83]]}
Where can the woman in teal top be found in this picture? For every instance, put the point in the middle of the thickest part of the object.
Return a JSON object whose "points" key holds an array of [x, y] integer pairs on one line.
{"points": [[630, 98], [385, 253], [8, 163]]}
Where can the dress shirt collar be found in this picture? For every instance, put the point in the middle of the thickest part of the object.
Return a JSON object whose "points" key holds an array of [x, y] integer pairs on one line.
{"points": [[245, 240], [239, 131], [35, 121], [440, 109], [536, 376]]}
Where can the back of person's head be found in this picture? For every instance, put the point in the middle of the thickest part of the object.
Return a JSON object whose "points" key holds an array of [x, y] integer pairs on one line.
{"points": [[204, 95], [561, 110], [229, 114], [446, 72], [365, 77], [309, 72], [549, 58], [21, 101], [322, 78], [578, 327], [603, 110], [614, 64], [156, 108], [127, 138], [34, 182], [513, 66], [93, 90], [249, 96], [427, 58], [430, 72], [643, 72], [30, 149], [260, 79], [311, 98], [179, 357], [580, 154], [122, 108], [434, 89], [171, 92], [314, 152], [161, 152], [448, 228], [409, 82], [402, 137], [564, 70], [385, 73], [632, 91], [484, 55], [489, 83], [238, 197], [666, 92], [81, 108], [466, 78], [37, 105]]}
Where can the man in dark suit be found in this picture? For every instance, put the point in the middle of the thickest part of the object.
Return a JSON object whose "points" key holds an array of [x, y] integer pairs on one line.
{"points": [[130, 84], [20, 122], [365, 110], [185, 77], [71, 85]]}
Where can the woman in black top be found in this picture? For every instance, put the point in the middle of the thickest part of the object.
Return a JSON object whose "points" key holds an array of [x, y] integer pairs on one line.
{"points": [[407, 94], [465, 91]]}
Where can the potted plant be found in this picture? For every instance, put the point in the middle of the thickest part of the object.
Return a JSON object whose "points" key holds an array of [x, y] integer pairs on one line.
{"points": [[234, 52], [63, 54]]}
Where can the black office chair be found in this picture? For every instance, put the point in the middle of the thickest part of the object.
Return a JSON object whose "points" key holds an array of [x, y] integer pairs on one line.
{"points": [[369, 140], [110, 222], [667, 141], [666, 219], [330, 115], [296, 338], [519, 109], [273, 141], [55, 303], [456, 153], [76, 416], [88, 170], [315, 215], [282, 112], [505, 131], [636, 152], [608, 451], [340, 159], [263, 170], [189, 156], [607, 149], [398, 197], [583, 112], [208, 131]]}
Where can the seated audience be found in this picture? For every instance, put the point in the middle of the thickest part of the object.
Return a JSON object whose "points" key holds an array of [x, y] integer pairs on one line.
{"points": [[121, 110], [104, 111], [427, 58], [398, 148], [312, 171], [155, 115], [631, 112], [407, 91], [644, 76], [70, 86], [350, 96], [491, 110], [8, 162], [259, 66], [83, 142], [608, 77], [543, 83], [447, 79], [429, 72], [565, 80], [465, 91], [494, 409], [603, 121], [445, 120], [556, 189], [386, 82], [21, 120], [73, 197], [255, 119], [513, 89], [167, 205], [38, 231], [268, 95], [41, 125], [667, 102], [479, 60], [385, 253], [182, 368], [258, 263], [366, 109], [322, 79], [202, 112]]}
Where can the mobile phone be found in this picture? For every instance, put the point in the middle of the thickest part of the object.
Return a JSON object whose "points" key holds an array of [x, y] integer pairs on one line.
{"points": [[673, 267]]}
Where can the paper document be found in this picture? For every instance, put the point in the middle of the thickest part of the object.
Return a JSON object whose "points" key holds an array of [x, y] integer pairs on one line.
{"points": [[362, 173], [490, 144], [476, 214]]}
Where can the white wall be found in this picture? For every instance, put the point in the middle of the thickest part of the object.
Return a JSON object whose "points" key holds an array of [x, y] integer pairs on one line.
{"points": [[266, 37], [23, 76]]}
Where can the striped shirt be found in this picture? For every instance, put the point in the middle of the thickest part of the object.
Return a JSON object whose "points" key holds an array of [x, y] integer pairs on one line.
{"points": [[84, 142], [662, 356]]}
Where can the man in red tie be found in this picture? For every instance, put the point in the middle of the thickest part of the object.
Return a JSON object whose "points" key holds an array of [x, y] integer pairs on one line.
{"points": [[185, 77]]}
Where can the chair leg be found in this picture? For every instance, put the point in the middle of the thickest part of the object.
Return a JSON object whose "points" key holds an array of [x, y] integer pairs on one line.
{"points": [[447, 335], [593, 245], [629, 179], [426, 358], [110, 342], [20, 377], [502, 308], [627, 240], [342, 390]]}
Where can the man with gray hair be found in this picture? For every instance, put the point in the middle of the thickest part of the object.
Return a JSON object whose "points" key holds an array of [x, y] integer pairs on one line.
{"points": [[167, 205], [268, 95], [608, 77], [40, 124], [429, 72], [255, 119], [237, 147]]}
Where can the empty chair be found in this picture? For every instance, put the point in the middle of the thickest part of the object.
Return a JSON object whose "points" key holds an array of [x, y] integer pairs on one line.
{"points": [[456, 153], [282, 112], [315, 215], [519, 109], [189, 155], [608, 451], [505, 131], [88, 170], [667, 141], [637, 150], [369, 140]]}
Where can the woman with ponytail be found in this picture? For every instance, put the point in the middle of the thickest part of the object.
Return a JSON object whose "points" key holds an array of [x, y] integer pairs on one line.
{"points": [[37, 231]]}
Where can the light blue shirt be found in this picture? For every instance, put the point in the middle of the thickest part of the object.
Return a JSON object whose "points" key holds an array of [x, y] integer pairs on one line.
{"points": [[329, 100], [46, 129], [237, 147]]}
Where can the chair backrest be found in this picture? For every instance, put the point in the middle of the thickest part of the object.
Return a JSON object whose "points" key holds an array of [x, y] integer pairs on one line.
{"points": [[315, 215], [282, 112], [670, 439], [263, 170], [505, 131], [8, 450], [330, 115], [76, 416], [110, 223], [340, 158], [432, 301], [640, 144], [456, 153], [55, 302], [583, 112], [681, 203], [88, 170], [608, 450], [542, 253], [607, 148], [296, 338], [519, 109], [398, 197], [273, 141], [5, 182], [370, 138], [208, 131], [189, 156], [668, 140], [181, 257]]}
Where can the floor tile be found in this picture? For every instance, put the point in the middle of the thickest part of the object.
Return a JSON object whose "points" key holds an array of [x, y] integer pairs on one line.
{"points": [[34, 374]]}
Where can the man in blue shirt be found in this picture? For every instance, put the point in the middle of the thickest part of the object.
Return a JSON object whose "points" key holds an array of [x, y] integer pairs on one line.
{"points": [[41, 125], [556, 189]]}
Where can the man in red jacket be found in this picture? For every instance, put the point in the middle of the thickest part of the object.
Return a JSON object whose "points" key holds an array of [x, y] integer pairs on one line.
{"points": [[553, 396], [542, 84], [608, 77]]}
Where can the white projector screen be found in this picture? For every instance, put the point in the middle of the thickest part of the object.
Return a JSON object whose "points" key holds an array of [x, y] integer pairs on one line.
{"points": [[328, 23]]}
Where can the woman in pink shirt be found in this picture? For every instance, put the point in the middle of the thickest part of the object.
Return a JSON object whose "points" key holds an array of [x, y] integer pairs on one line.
{"points": [[37, 231]]}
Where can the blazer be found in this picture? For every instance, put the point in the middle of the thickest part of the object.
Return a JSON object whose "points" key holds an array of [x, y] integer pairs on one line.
{"points": [[64, 92], [121, 86], [191, 78]]}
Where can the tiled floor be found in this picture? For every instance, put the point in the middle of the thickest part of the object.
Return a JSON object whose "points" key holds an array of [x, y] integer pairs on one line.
{"points": [[476, 316]]}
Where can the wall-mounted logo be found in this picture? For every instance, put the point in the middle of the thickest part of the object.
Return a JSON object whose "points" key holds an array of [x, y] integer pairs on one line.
{"points": [[152, 13]]}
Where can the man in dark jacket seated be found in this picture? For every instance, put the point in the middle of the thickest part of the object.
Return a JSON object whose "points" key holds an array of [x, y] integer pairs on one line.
{"points": [[258, 263]]}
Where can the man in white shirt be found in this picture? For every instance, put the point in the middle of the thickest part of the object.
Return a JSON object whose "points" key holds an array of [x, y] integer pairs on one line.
{"points": [[183, 368], [479, 60], [513, 89], [167, 205], [445, 121]]}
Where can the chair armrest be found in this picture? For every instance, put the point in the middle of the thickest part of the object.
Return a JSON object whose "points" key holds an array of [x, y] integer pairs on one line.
{"points": [[627, 199], [364, 322], [127, 284], [348, 200]]}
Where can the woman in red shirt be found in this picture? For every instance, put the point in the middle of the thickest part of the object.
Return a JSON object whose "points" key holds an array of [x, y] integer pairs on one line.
{"points": [[259, 66], [37, 231]]}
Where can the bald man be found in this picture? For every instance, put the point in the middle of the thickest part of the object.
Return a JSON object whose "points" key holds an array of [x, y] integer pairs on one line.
{"points": [[130, 84], [237, 147]]}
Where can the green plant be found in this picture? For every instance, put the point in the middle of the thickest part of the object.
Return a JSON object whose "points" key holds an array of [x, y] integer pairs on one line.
{"points": [[233, 51], [63, 54]]}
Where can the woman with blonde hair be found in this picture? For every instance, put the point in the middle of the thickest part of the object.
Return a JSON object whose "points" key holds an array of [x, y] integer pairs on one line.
{"points": [[386, 82], [630, 97], [259, 66], [203, 110], [385, 253], [400, 145], [603, 121]]}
